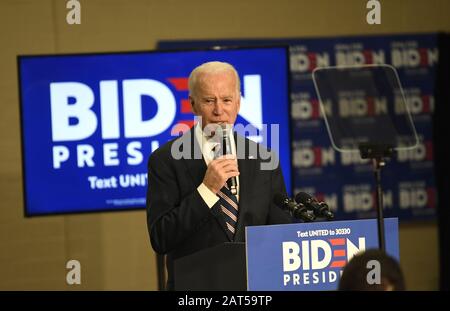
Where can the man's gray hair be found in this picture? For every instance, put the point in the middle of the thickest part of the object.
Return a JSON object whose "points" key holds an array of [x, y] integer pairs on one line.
{"points": [[211, 67]]}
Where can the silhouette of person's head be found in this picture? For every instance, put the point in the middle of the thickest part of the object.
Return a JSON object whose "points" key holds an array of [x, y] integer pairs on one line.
{"points": [[372, 269]]}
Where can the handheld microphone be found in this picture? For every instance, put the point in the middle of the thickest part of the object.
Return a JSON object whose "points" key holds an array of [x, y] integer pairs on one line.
{"points": [[226, 149], [297, 210], [320, 209]]}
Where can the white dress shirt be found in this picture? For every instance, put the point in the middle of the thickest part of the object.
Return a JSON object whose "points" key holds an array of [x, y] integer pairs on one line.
{"points": [[207, 146]]}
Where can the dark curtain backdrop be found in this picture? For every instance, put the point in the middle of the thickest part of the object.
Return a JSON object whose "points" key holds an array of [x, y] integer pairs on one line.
{"points": [[441, 132]]}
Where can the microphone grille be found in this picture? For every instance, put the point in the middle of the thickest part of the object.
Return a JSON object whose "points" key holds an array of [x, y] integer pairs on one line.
{"points": [[302, 197]]}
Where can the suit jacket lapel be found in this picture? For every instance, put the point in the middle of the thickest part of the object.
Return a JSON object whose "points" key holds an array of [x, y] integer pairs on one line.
{"points": [[195, 164]]}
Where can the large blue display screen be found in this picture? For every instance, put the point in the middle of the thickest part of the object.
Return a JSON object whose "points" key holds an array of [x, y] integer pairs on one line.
{"points": [[90, 121]]}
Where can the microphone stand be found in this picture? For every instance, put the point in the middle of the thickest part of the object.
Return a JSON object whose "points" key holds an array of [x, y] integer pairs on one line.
{"points": [[377, 153]]}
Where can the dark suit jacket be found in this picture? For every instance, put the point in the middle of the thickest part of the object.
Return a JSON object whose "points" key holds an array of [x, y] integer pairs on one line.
{"points": [[181, 223]]}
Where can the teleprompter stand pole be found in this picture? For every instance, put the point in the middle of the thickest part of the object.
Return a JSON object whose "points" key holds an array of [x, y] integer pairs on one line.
{"points": [[377, 153]]}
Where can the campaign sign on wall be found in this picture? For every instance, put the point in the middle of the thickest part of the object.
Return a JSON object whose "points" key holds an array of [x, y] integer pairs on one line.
{"points": [[90, 121], [310, 256]]}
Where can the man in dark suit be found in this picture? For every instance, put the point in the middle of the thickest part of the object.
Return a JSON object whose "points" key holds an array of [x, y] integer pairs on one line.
{"points": [[189, 205]]}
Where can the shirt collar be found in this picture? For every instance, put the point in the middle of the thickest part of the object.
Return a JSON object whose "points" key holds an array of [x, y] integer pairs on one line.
{"points": [[203, 139]]}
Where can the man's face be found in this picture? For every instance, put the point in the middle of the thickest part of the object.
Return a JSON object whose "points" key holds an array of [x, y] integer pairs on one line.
{"points": [[216, 98]]}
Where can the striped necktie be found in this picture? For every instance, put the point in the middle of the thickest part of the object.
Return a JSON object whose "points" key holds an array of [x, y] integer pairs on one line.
{"points": [[229, 206]]}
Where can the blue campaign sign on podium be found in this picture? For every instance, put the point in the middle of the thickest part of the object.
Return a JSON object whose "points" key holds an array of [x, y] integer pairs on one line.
{"points": [[310, 256]]}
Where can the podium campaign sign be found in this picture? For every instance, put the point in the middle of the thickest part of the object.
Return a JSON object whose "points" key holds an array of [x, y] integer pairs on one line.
{"points": [[310, 256]]}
